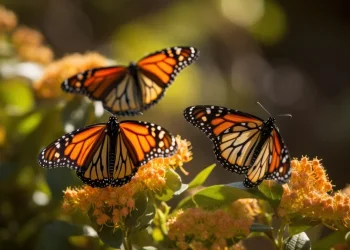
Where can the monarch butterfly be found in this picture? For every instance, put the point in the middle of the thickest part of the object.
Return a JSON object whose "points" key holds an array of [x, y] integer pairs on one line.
{"points": [[243, 143], [130, 90], [109, 154]]}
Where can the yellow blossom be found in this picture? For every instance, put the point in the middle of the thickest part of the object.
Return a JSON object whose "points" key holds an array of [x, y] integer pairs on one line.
{"points": [[24, 36], [8, 20], [49, 86], [40, 54], [29, 45], [197, 228], [111, 205], [310, 194], [153, 173]]}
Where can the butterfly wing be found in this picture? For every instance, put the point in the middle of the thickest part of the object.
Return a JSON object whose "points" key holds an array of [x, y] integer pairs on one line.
{"points": [[235, 134], [138, 143], [130, 90], [114, 86], [84, 150], [272, 162], [157, 71]]}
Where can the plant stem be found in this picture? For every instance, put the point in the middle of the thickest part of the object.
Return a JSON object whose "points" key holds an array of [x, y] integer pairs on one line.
{"points": [[126, 240], [280, 235]]}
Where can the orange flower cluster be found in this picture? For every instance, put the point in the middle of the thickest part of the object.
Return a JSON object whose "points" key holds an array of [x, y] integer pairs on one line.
{"points": [[112, 204], [308, 194], [8, 20], [49, 86], [346, 190], [196, 228], [29, 45]]}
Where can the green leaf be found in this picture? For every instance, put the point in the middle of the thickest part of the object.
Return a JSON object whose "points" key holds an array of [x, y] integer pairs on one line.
{"points": [[258, 227], [44, 133], [183, 188], [54, 236], [16, 96], [329, 241], [109, 235], [219, 196], [347, 237], [173, 180], [253, 191], [273, 191], [146, 219], [29, 123], [186, 202], [201, 177], [141, 206], [165, 195], [173, 186], [298, 225], [298, 242], [142, 216]]}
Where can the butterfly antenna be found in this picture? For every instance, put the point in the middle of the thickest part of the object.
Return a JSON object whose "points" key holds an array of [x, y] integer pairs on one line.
{"points": [[264, 108], [287, 115]]}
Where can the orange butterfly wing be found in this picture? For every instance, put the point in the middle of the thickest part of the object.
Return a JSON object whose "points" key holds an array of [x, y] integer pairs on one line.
{"points": [[239, 144], [157, 71], [114, 86], [130, 90], [235, 134], [74, 149], [138, 143], [109, 154]]}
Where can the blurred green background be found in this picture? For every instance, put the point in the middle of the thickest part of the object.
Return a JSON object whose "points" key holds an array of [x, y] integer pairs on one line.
{"points": [[292, 56]]}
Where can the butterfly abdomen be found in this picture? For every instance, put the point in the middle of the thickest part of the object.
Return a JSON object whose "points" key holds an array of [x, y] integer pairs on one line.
{"points": [[266, 132], [112, 131]]}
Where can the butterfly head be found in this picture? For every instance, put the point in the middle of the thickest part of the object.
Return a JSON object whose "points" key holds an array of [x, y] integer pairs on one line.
{"points": [[271, 121], [112, 124]]}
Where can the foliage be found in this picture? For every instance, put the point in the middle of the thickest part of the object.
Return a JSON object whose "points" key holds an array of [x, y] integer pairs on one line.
{"points": [[33, 212]]}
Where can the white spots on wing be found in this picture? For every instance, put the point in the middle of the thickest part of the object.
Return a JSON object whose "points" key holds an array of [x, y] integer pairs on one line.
{"points": [[161, 134]]}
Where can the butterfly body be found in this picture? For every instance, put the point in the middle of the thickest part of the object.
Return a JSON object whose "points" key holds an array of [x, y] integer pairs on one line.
{"points": [[128, 90], [109, 154], [243, 143]]}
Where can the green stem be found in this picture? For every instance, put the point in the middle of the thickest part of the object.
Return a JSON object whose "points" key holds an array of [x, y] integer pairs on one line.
{"points": [[126, 240], [280, 235]]}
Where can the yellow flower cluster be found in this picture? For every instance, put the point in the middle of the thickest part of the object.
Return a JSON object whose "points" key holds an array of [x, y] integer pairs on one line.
{"points": [[8, 20], [112, 204], [49, 86], [308, 194], [196, 228], [29, 45]]}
